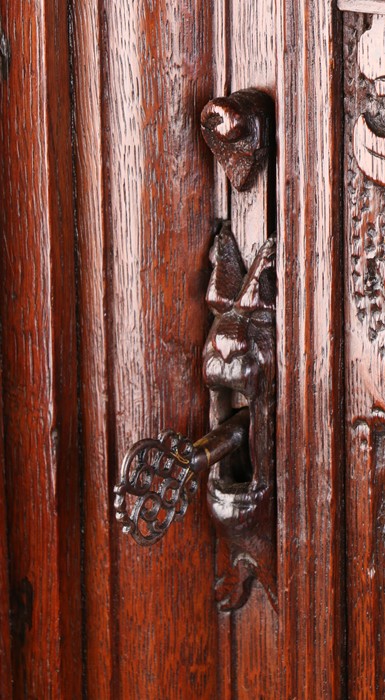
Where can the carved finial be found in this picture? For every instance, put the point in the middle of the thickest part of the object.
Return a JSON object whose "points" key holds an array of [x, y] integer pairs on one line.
{"points": [[239, 131]]}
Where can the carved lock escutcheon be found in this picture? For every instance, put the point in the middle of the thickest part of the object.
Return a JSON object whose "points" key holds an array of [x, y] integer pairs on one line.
{"points": [[159, 477], [239, 367]]}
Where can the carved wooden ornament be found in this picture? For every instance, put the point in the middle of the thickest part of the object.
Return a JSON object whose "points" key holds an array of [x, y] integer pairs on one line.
{"points": [[369, 135], [238, 130], [239, 358], [163, 474]]}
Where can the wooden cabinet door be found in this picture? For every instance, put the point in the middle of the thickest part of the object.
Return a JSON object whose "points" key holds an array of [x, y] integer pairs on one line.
{"points": [[109, 203]]}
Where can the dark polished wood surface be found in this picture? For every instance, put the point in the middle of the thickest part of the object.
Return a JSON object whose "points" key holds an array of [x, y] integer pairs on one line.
{"points": [[109, 198], [5, 629], [39, 354], [144, 212]]}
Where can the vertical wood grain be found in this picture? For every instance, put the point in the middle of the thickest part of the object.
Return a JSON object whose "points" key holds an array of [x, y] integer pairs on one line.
{"points": [[159, 77], [5, 631], [221, 87], [226, 670], [145, 201], [244, 52], [90, 119], [144, 225], [309, 322], [253, 64], [255, 649], [39, 353], [365, 388]]}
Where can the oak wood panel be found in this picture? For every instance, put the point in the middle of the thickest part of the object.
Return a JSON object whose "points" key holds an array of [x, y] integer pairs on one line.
{"points": [[151, 201], [253, 64], [309, 319], [88, 34], [39, 354], [5, 631], [365, 404], [226, 671], [221, 87], [255, 648], [144, 208]]}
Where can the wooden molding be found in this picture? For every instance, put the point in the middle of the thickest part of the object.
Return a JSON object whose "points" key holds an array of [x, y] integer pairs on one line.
{"points": [[369, 6], [309, 472]]}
